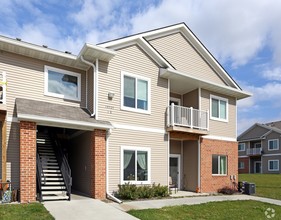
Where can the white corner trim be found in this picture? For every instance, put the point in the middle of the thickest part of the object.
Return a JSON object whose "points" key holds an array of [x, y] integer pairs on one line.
{"points": [[12, 119], [219, 138], [243, 156], [138, 128]]}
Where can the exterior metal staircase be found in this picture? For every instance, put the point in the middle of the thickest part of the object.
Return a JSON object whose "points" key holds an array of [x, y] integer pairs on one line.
{"points": [[51, 181]]}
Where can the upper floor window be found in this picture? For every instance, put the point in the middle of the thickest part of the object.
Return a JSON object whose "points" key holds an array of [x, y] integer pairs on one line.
{"points": [[135, 93], [135, 164], [241, 147], [219, 108], [62, 84], [273, 144], [219, 164], [273, 165]]}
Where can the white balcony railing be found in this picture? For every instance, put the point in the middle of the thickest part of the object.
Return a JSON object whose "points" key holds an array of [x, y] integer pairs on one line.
{"points": [[187, 117], [3, 87], [254, 151]]}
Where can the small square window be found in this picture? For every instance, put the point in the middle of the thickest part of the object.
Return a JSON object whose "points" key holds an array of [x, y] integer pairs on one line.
{"points": [[241, 165], [241, 147], [219, 164], [273, 165], [219, 108], [273, 144]]}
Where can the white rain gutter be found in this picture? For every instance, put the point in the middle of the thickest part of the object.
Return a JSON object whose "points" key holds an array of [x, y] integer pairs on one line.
{"points": [[113, 198], [94, 84]]}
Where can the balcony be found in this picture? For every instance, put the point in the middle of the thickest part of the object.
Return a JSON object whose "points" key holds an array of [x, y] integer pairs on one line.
{"points": [[185, 119], [254, 151]]}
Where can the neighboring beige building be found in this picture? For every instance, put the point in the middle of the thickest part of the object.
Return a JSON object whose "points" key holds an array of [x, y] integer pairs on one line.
{"points": [[137, 109], [259, 149]]}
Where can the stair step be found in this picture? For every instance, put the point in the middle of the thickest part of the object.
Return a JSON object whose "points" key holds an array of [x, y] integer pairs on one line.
{"points": [[54, 183], [47, 166], [49, 163], [53, 187], [52, 178], [57, 192], [51, 171], [49, 198], [52, 174]]}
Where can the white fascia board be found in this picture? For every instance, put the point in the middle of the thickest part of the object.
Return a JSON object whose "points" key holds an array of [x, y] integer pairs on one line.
{"points": [[239, 94], [103, 50], [41, 120], [37, 48]]}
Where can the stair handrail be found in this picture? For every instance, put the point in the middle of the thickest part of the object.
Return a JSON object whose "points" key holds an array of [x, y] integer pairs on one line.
{"points": [[63, 163], [39, 175]]}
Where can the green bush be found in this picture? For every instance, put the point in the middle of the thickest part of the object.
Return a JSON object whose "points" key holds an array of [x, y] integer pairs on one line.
{"points": [[132, 192]]}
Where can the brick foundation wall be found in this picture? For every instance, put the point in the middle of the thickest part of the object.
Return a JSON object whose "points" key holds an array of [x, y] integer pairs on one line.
{"points": [[210, 183], [98, 164], [246, 165], [27, 161]]}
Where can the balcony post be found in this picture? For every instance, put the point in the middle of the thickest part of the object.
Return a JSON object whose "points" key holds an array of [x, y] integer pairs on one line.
{"points": [[191, 117], [207, 120], [172, 114]]}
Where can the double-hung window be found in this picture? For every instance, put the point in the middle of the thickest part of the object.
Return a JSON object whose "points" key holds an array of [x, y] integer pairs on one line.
{"points": [[241, 147], [135, 93], [241, 165], [273, 165], [219, 164], [62, 84], [219, 108], [135, 164], [273, 144]]}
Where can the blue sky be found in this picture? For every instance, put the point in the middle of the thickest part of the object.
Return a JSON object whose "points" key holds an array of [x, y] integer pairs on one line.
{"points": [[244, 36]]}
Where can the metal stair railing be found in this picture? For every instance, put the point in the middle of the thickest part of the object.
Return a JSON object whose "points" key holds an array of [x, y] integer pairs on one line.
{"points": [[40, 174], [63, 164]]}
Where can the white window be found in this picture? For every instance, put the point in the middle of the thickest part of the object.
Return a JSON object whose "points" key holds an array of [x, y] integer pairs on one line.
{"points": [[219, 108], [135, 94], [62, 84], [219, 164], [135, 165], [241, 165], [273, 144], [241, 147], [273, 165]]}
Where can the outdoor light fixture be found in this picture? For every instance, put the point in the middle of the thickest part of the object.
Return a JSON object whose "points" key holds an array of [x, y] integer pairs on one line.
{"points": [[110, 95]]}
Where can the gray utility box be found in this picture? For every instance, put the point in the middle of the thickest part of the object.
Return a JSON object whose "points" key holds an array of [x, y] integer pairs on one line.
{"points": [[250, 188]]}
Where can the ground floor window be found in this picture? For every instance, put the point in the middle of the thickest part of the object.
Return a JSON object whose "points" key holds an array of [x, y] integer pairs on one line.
{"points": [[219, 164], [135, 164], [273, 165], [241, 165]]}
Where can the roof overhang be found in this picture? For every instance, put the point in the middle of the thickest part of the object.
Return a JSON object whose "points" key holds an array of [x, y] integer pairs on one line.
{"points": [[183, 82], [90, 52]]}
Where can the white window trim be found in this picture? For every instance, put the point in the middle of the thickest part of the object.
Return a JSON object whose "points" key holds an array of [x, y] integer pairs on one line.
{"points": [[222, 99], [277, 144], [176, 100], [148, 111], [46, 79], [244, 147], [219, 165], [242, 167], [269, 165], [148, 150]]}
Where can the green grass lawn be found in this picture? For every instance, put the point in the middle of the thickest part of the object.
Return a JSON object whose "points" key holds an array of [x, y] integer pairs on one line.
{"points": [[267, 185], [212, 210], [24, 211]]}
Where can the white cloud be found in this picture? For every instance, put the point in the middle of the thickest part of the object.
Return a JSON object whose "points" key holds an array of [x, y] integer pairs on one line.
{"points": [[272, 74]]}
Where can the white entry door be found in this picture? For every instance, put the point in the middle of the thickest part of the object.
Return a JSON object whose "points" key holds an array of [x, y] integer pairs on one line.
{"points": [[175, 169]]}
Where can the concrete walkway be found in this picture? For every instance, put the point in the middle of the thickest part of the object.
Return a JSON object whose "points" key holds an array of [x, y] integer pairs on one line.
{"points": [[147, 204], [85, 208]]}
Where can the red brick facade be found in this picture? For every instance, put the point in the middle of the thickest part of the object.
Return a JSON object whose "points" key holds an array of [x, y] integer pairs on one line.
{"points": [[27, 161], [246, 165], [98, 164], [209, 182]]}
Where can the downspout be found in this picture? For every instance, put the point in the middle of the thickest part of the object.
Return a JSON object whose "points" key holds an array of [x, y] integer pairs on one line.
{"points": [[94, 84], [109, 196]]}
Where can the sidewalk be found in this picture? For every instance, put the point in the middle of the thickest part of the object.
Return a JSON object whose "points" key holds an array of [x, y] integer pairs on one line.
{"points": [[159, 203]]}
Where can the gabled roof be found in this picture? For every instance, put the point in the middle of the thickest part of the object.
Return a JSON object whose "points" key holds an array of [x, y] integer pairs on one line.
{"points": [[259, 134], [188, 34]]}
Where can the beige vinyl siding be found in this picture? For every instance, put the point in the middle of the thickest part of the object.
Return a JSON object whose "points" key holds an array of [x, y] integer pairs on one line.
{"points": [[190, 165], [219, 128], [80, 162], [158, 144], [175, 147], [191, 99], [135, 61], [182, 55], [25, 77]]}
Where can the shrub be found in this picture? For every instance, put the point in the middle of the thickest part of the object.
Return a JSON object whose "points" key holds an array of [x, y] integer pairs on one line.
{"points": [[227, 190], [132, 192]]}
